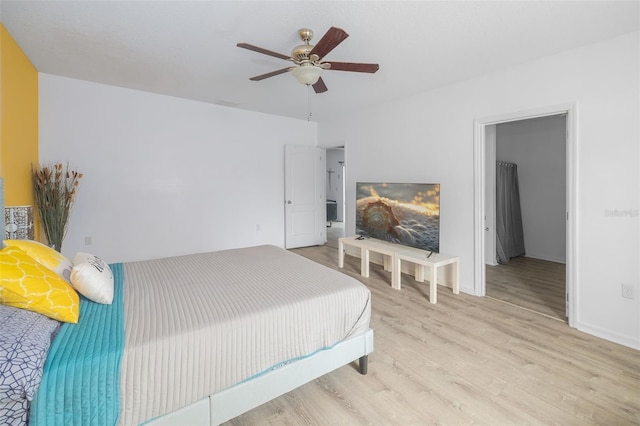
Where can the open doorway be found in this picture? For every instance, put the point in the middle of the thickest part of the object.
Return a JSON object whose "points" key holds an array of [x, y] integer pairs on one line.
{"points": [[336, 168], [484, 223], [526, 198]]}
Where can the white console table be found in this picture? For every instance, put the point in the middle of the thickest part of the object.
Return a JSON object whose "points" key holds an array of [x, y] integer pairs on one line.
{"points": [[419, 257], [394, 254]]}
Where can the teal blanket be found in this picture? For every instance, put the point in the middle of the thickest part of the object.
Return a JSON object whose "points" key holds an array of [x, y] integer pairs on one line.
{"points": [[81, 380]]}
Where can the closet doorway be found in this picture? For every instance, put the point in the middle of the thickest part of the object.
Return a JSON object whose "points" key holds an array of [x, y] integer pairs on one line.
{"points": [[527, 268], [550, 231]]}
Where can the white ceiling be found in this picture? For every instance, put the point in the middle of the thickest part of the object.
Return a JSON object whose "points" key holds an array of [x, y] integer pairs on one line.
{"points": [[188, 48]]}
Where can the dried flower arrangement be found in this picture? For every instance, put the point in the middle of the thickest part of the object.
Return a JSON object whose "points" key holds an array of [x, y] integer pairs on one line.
{"points": [[55, 190]]}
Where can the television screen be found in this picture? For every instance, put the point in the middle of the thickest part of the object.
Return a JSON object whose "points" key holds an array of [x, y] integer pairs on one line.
{"points": [[402, 213]]}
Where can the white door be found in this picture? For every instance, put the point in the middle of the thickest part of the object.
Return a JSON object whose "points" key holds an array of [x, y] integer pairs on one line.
{"points": [[305, 204]]}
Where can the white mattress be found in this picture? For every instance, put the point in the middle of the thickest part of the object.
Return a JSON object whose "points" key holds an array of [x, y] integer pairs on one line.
{"points": [[198, 324]]}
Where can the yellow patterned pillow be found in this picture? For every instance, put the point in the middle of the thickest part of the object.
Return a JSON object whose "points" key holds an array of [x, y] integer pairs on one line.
{"points": [[26, 284], [44, 255]]}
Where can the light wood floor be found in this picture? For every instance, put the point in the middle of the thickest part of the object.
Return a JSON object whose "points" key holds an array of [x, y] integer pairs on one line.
{"points": [[465, 360], [534, 284]]}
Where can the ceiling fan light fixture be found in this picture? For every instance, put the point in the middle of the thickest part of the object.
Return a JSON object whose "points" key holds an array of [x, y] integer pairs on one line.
{"points": [[307, 74], [307, 59]]}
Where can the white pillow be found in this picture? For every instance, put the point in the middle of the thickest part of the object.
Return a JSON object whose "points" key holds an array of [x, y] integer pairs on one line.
{"points": [[92, 278]]}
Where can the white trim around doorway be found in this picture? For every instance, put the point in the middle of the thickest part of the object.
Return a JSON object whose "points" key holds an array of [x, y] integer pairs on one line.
{"points": [[341, 145], [479, 150]]}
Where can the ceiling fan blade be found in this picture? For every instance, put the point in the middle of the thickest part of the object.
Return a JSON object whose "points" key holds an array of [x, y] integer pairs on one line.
{"points": [[319, 86], [269, 74], [355, 67], [333, 37], [261, 50]]}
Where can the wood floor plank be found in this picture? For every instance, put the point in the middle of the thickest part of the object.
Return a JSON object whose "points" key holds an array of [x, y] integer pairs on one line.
{"points": [[535, 284], [464, 360]]}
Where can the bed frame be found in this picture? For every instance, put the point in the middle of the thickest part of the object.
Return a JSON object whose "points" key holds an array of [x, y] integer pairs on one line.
{"points": [[238, 399]]}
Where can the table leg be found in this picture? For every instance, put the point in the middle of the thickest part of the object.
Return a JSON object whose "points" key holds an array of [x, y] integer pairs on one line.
{"points": [[396, 273], [340, 254], [433, 284], [364, 262], [419, 275], [456, 277]]}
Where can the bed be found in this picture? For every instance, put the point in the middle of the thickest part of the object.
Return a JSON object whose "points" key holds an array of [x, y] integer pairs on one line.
{"points": [[200, 339], [25, 338]]}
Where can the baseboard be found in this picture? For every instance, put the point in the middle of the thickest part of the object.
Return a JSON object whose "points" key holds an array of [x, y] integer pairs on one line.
{"points": [[547, 258], [629, 341]]}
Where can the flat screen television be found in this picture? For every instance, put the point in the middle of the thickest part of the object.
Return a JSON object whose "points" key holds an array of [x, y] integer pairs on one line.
{"points": [[402, 213]]}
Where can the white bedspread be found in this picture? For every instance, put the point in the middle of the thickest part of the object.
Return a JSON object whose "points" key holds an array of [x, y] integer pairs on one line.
{"points": [[198, 324]]}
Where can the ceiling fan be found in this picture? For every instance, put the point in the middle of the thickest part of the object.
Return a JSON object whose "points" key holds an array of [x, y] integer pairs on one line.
{"points": [[308, 59]]}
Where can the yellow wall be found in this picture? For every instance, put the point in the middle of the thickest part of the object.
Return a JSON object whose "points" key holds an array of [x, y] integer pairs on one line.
{"points": [[18, 121]]}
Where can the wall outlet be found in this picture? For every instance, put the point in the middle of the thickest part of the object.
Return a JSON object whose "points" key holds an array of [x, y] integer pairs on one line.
{"points": [[88, 241], [627, 291]]}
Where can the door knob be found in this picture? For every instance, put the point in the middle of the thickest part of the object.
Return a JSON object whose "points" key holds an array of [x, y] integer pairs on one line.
{"points": [[288, 201]]}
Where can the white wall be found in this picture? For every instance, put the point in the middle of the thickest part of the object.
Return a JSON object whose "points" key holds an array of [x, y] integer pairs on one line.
{"points": [[335, 190], [165, 176], [429, 137], [538, 147]]}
